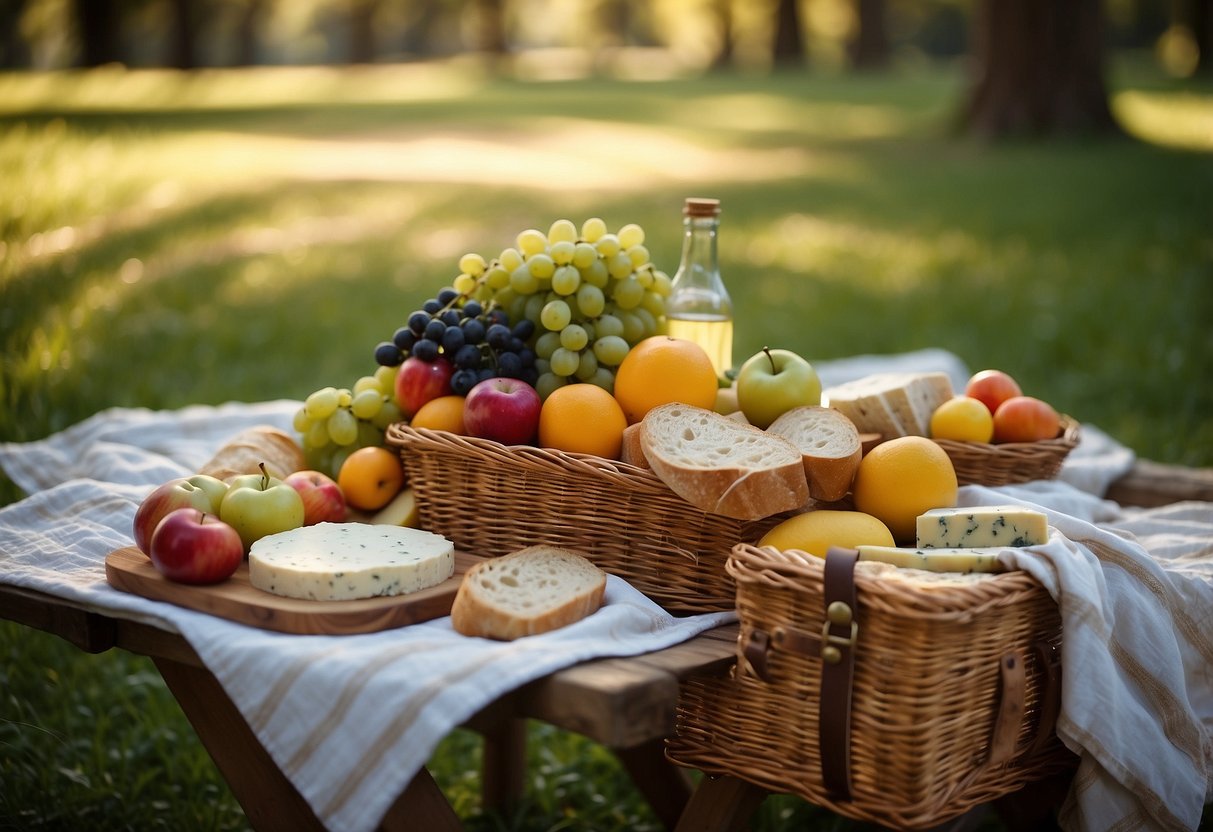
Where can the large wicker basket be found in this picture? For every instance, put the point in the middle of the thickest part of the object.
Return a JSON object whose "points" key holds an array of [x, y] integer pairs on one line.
{"points": [[491, 499], [927, 741], [983, 463]]}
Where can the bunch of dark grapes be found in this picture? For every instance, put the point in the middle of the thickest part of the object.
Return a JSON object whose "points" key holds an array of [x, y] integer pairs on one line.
{"points": [[479, 342]]}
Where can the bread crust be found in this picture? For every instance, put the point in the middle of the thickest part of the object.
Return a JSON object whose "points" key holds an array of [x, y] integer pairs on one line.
{"points": [[244, 452], [830, 448]]}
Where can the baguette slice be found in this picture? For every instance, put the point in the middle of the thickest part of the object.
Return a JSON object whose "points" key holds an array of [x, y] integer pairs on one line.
{"points": [[723, 466], [632, 452], [531, 591], [246, 450], [829, 447]]}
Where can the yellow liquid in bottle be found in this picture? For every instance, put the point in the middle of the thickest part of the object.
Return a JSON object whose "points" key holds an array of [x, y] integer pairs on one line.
{"points": [[712, 332]]}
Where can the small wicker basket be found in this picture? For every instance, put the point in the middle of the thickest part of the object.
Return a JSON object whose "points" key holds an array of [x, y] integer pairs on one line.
{"points": [[934, 727], [983, 463], [491, 499]]}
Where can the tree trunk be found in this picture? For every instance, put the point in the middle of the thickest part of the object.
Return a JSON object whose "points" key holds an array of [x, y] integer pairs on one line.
{"points": [[362, 31], [870, 47], [181, 35], [1038, 70], [97, 24], [490, 27], [788, 48]]}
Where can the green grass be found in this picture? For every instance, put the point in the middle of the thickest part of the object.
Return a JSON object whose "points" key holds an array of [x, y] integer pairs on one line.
{"points": [[252, 235]]}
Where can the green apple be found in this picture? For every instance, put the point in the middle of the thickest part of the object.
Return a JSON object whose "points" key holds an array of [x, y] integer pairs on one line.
{"points": [[213, 487], [257, 505], [772, 382]]}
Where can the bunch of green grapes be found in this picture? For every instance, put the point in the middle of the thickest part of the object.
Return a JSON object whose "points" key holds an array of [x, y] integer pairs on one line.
{"points": [[592, 295], [335, 421]]}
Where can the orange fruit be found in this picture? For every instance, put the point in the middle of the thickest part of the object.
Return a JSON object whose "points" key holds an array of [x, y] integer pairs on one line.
{"points": [[442, 413], [660, 370], [902, 478], [370, 477], [964, 419], [582, 418]]}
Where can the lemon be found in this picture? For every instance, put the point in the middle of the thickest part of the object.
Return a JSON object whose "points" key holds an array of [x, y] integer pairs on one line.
{"points": [[900, 479], [963, 419], [816, 531]]}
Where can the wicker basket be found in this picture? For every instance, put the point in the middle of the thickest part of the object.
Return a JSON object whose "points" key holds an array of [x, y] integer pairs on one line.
{"points": [[927, 741], [490, 499], [982, 463]]}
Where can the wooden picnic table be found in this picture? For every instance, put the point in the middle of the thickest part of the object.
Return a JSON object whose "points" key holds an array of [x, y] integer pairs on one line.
{"points": [[625, 704]]}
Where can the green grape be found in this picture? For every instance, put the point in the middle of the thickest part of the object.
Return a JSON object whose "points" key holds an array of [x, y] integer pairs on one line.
{"points": [[565, 362], [389, 414], [562, 231], [654, 304], [573, 337], [628, 293], [532, 309], [619, 266], [344, 397], [663, 284], [510, 259], [317, 435], [590, 301], [607, 245], [547, 384], [566, 280], [588, 326], [587, 366], [541, 265], [321, 404], [472, 264], [464, 284], [367, 403], [542, 365], [633, 328], [608, 325], [320, 458], [342, 427], [368, 435], [596, 274], [302, 421], [611, 349], [386, 376], [555, 315], [338, 458], [517, 307], [647, 321], [644, 277], [497, 277], [523, 280], [546, 344], [604, 378], [583, 255], [562, 252], [367, 383], [531, 242], [592, 229], [631, 235]]}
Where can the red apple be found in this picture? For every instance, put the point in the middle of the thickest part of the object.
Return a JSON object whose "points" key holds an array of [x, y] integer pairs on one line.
{"points": [[323, 501], [419, 381], [1025, 419], [502, 409], [192, 547], [200, 491], [992, 388]]}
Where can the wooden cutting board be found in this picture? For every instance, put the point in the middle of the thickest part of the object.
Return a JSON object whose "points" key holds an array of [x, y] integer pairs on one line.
{"points": [[238, 600]]}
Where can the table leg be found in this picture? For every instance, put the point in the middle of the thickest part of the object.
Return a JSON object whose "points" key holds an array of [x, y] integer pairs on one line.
{"points": [[503, 770], [665, 786], [422, 805], [721, 804]]}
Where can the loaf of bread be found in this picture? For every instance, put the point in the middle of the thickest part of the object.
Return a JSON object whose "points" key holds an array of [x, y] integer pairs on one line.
{"points": [[891, 404], [631, 452], [244, 452], [531, 591], [721, 465], [829, 448]]}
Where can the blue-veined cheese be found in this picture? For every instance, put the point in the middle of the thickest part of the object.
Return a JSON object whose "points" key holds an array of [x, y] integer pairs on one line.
{"points": [[344, 561], [967, 528], [935, 560]]}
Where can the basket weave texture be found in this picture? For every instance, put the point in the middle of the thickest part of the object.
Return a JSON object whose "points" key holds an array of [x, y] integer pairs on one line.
{"points": [[983, 463], [491, 499], [925, 692]]}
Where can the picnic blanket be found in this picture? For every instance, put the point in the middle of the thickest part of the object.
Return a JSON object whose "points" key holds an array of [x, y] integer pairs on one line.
{"points": [[1134, 588]]}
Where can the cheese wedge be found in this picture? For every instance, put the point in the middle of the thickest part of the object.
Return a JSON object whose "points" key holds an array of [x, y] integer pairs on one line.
{"points": [[967, 528], [891, 404], [935, 560], [344, 561]]}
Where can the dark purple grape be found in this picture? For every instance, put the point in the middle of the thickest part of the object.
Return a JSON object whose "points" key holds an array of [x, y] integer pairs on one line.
{"points": [[530, 375], [417, 322], [515, 344], [498, 336], [446, 296], [509, 364], [404, 338], [433, 306], [473, 331], [434, 330], [388, 354], [452, 339], [527, 356], [499, 316], [463, 381], [425, 350], [472, 309], [467, 357], [485, 373], [451, 317], [524, 329]]}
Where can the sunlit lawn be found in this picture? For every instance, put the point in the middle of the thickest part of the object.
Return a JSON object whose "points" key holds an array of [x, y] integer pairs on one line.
{"points": [[252, 235]]}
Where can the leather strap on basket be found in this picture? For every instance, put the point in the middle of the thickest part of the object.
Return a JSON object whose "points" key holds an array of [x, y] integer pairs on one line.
{"points": [[838, 636]]}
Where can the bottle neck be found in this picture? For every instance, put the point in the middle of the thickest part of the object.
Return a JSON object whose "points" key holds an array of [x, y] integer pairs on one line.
{"points": [[698, 265]]}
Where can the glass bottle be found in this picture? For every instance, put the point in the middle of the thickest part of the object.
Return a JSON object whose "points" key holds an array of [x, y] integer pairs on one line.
{"points": [[698, 308]]}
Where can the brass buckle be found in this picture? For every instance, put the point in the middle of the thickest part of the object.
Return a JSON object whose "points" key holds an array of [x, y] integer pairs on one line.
{"points": [[831, 645]]}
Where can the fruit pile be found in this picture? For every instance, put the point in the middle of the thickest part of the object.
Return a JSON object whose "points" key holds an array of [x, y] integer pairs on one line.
{"points": [[994, 409]]}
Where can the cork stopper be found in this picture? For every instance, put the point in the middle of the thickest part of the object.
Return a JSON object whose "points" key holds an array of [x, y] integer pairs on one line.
{"points": [[701, 207]]}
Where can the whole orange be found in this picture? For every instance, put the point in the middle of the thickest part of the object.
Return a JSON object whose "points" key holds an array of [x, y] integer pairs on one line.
{"points": [[660, 370], [582, 418], [902, 478], [442, 413], [370, 477]]}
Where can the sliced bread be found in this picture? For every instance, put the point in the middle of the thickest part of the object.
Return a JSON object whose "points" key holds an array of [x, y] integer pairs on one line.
{"points": [[531, 591], [891, 404], [829, 447], [631, 452], [721, 465]]}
